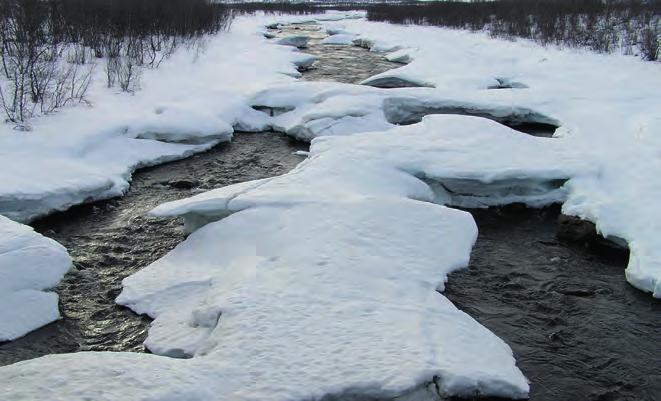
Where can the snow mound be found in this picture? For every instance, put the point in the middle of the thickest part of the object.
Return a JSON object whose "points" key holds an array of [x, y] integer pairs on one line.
{"points": [[29, 264], [299, 41], [304, 61], [402, 56], [339, 39], [178, 124]]}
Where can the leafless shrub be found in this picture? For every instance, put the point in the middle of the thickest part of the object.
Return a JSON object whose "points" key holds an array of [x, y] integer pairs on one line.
{"points": [[649, 44], [49, 48]]}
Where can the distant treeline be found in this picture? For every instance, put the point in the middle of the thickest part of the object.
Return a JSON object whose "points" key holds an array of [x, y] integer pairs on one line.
{"points": [[632, 26], [49, 48]]}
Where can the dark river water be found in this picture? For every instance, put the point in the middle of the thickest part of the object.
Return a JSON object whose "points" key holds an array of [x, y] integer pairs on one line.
{"points": [[578, 330]]}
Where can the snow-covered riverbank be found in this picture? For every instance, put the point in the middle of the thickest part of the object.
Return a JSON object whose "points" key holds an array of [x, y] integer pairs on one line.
{"points": [[186, 105], [323, 281], [607, 107]]}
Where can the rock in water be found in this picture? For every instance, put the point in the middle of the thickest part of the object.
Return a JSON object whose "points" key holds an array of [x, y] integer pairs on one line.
{"points": [[299, 41], [573, 229]]}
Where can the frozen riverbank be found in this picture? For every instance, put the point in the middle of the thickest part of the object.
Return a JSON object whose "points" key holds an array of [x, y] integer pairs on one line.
{"points": [[324, 282]]}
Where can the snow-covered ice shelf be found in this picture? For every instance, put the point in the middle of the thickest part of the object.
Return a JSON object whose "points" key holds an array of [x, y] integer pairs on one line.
{"points": [[29, 264]]}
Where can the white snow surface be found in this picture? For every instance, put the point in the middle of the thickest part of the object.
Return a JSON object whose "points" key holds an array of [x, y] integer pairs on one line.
{"points": [[29, 264], [324, 281], [339, 39], [272, 311], [189, 103], [607, 108]]}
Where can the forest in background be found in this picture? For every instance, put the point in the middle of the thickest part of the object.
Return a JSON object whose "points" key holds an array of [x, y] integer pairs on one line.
{"points": [[632, 27]]}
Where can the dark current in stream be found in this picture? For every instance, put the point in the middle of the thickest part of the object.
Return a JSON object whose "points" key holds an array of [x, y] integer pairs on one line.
{"points": [[578, 330]]}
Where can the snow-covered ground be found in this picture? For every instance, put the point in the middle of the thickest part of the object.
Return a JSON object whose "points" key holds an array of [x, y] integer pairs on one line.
{"points": [[324, 281], [80, 153]]}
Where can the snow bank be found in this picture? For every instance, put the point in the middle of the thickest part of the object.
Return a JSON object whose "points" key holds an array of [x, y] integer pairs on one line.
{"points": [[615, 125], [29, 264], [187, 105], [339, 39]]}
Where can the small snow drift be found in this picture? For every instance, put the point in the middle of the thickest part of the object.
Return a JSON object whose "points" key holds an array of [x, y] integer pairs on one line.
{"points": [[402, 56], [29, 264], [409, 110], [298, 41], [304, 61], [180, 125]]}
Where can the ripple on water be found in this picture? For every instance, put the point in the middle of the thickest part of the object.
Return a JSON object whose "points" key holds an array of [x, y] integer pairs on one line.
{"points": [[336, 63], [578, 330]]}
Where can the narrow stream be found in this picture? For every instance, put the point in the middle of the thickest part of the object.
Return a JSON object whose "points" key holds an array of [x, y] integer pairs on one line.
{"points": [[578, 330], [336, 63]]}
